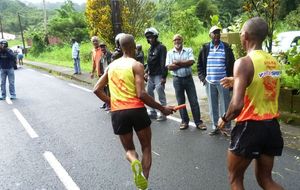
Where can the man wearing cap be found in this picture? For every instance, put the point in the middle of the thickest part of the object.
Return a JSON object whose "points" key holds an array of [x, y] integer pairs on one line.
{"points": [[7, 59], [96, 57], [156, 71], [215, 62], [105, 60], [179, 61]]}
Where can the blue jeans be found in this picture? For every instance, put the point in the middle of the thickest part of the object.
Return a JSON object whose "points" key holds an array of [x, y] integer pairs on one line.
{"points": [[77, 65], [154, 84], [218, 101], [186, 84], [8, 73]]}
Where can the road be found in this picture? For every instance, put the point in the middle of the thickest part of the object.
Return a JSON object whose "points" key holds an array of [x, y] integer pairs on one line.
{"points": [[54, 136]]}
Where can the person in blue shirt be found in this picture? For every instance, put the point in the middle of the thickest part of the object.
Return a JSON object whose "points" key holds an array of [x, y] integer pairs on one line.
{"points": [[75, 56], [215, 62], [7, 58]]}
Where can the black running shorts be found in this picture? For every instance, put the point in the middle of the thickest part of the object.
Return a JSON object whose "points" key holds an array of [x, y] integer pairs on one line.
{"points": [[251, 138], [124, 121]]}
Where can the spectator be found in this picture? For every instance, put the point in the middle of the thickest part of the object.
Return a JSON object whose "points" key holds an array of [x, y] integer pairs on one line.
{"points": [[96, 57], [118, 51], [139, 54], [20, 55], [104, 62], [75, 56], [156, 71], [7, 58], [215, 62], [179, 61]]}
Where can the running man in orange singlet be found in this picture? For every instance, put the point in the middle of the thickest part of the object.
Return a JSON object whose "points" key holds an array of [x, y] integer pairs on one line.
{"points": [[125, 77], [254, 104]]}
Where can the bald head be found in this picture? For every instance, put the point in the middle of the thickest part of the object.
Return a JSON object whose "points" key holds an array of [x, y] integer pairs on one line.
{"points": [[257, 29], [127, 43]]}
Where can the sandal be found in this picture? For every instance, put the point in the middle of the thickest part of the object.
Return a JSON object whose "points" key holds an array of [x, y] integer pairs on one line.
{"points": [[139, 179], [201, 126]]}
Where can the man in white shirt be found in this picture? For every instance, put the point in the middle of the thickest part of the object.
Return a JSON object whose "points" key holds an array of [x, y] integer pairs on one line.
{"points": [[75, 56]]}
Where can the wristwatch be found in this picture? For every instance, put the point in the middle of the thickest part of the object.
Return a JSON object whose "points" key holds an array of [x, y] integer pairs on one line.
{"points": [[223, 118]]}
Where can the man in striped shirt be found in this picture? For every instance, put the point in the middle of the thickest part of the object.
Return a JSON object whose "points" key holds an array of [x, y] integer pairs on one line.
{"points": [[215, 62]]}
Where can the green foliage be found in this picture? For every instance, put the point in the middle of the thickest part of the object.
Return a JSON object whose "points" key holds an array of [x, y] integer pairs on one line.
{"points": [[269, 11], [137, 15], [61, 55], [204, 9], [186, 23], [8, 12], [291, 68], [228, 10], [294, 24], [68, 23]]}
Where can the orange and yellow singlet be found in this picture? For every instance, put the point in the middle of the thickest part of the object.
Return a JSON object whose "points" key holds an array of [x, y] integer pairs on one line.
{"points": [[122, 85], [261, 97]]}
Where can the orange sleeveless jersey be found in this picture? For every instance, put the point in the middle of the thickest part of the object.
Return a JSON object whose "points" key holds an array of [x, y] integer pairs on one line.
{"points": [[261, 97], [122, 85]]}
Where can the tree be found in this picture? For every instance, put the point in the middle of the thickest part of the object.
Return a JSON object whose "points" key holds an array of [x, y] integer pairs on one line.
{"points": [[204, 9], [267, 9], [137, 15], [68, 23], [98, 17], [186, 23], [293, 23]]}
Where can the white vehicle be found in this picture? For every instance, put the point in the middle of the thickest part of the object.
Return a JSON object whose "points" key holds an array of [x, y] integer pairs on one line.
{"points": [[285, 41]]}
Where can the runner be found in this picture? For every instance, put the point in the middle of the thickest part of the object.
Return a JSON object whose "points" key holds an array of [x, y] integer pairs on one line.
{"points": [[254, 104], [125, 77]]}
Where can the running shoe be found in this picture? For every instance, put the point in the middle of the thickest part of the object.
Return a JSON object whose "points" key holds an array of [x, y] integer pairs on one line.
{"points": [[139, 179]]}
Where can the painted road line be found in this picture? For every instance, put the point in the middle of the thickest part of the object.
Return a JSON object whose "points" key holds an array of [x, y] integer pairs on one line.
{"points": [[31, 70], [62, 174], [8, 101], [179, 120], [82, 88], [25, 124], [49, 76], [155, 153]]}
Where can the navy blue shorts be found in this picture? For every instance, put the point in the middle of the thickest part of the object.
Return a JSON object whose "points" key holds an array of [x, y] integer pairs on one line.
{"points": [[251, 138], [124, 121]]}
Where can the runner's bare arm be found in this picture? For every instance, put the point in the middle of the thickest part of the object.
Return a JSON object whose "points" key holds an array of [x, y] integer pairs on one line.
{"points": [[243, 75], [138, 70], [99, 87]]}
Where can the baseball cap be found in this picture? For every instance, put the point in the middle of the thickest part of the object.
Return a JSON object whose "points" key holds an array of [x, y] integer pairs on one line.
{"points": [[214, 28]]}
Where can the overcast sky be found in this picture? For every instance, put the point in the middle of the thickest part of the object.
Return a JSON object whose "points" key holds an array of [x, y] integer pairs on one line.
{"points": [[52, 1]]}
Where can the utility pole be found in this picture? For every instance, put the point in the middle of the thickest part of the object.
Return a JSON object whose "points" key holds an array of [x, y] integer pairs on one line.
{"points": [[1, 28], [22, 33], [45, 16], [116, 16]]}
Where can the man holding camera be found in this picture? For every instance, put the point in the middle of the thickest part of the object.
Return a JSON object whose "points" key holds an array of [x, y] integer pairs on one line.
{"points": [[7, 59]]}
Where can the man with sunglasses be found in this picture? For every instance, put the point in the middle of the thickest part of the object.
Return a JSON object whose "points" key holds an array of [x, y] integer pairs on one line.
{"points": [[215, 62]]}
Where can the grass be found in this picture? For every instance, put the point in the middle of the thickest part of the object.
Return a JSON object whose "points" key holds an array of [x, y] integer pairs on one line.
{"points": [[61, 55]]}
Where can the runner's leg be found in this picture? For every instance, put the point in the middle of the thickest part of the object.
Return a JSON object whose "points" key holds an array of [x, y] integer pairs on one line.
{"points": [[144, 136], [127, 142], [263, 172], [237, 166]]}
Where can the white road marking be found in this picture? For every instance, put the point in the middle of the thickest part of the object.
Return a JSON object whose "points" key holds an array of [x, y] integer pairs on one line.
{"points": [[62, 174], [8, 101], [49, 76], [82, 88], [155, 153], [25, 124], [179, 120]]}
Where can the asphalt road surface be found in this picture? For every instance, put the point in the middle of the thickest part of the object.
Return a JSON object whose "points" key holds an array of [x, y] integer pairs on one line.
{"points": [[54, 136]]}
